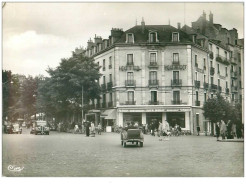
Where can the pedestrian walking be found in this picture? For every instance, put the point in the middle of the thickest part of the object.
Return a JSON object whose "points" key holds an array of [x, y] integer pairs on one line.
{"points": [[229, 130], [76, 128], [198, 130], [222, 129], [87, 128], [217, 129], [93, 133]]}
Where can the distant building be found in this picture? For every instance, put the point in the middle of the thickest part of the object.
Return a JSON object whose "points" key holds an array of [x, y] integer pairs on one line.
{"points": [[166, 73]]}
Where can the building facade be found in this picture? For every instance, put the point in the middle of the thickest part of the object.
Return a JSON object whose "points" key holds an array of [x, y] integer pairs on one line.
{"points": [[164, 73]]}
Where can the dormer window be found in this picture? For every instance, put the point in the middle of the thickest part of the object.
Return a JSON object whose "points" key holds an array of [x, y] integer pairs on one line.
{"points": [[130, 38], [153, 37], [175, 37], [100, 47]]}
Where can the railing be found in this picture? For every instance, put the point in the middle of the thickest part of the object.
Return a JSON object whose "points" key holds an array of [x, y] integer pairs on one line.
{"points": [[103, 86], [197, 84], [176, 102], [175, 63], [153, 102], [109, 85], [130, 83], [205, 85], [153, 82], [214, 87], [130, 102], [212, 71], [197, 103], [222, 59], [153, 63], [110, 104], [176, 82]]}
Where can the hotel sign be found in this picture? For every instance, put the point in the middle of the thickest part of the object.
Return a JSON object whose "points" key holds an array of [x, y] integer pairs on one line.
{"points": [[175, 67]]}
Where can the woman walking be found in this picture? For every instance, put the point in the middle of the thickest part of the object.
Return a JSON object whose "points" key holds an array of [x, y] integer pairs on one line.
{"points": [[223, 129]]}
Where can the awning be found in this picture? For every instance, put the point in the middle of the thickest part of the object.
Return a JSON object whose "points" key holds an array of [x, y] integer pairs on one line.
{"points": [[109, 114]]}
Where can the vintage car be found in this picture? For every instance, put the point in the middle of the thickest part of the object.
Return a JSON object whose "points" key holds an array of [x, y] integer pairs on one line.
{"points": [[133, 136], [14, 129], [40, 127]]}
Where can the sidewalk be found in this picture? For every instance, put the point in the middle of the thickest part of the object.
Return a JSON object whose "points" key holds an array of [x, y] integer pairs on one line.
{"points": [[232, 140]]}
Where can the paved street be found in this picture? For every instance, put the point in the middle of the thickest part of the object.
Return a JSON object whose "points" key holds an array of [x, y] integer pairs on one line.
{"points": [[63, 154]]}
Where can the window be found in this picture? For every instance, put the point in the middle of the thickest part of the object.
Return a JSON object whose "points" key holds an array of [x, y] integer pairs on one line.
{"points": [[176, 58], [240, 84], [152, 58], [211, 63], [232, 97], [175, 75], [228, 40], [226, 84], [129, 59], [110, 62], [110, 97], [232, 69], [110, 77], [204, 78], [175, 37], [218, 51], [104, 68], [231, 54], [226, 71], [153, 75], [204, 63], [130, 38], [153, 96], [197, 96], [130, 76], [196, 61], [196, 76], [232, 83], [176, 96], [226, 55], [239, 70], [205, 97], [212, 80], [104, 80], [130, 96], [218, 68], [210, 47], [153, 37], [104, 98], [218, 82]]}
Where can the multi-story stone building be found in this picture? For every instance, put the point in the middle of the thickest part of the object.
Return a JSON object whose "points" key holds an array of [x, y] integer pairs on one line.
{"points": [[164, 73]]}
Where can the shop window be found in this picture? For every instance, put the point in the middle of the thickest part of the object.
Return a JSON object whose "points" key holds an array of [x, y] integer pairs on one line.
{"points": [[174, 118]]}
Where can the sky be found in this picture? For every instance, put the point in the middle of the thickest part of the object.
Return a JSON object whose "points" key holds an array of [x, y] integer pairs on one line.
{"points": [[36, 36]]}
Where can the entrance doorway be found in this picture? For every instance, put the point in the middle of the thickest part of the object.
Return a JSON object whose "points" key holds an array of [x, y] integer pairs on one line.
{"points": [[174, 118], [153, 116]]}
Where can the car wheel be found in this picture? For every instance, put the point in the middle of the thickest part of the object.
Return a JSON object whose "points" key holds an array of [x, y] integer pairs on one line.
{"points": [[124, 144], [141, 144]]}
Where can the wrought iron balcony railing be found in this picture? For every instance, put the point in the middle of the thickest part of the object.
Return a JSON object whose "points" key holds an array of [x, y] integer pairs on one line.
{"points": [[176, 82], [130, 103], [176, 102], [197, 103], [130, 83], [153, 102], [153, 82]]}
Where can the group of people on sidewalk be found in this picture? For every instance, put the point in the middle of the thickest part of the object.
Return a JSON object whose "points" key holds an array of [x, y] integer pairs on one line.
{"points": [[88, 128], [228, 130]]}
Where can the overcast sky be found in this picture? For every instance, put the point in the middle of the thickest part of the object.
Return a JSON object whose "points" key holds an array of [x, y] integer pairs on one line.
{"points": [[38, 35]]}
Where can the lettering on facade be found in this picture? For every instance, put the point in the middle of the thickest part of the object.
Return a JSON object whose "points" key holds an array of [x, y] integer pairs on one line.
{"points": [[200, 70], [125, 68], [175, 67], [155, 110]]}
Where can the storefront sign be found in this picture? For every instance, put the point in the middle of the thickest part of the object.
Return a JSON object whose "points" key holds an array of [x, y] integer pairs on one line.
{"points": [[175, 67], [125, 68], [156, 110]]}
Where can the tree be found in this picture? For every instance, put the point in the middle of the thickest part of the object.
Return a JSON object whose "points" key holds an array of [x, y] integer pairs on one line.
{"points": [[61, 93], [217, 109]]}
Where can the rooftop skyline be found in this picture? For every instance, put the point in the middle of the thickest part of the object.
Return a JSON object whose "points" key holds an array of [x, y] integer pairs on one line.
{"points": [[38, 35]]}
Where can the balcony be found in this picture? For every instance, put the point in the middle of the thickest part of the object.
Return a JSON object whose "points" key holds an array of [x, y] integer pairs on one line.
{"points": [[205, 85], [153, 65], [110, 104], [109, 86], [103, 105], [103, 87], [227, 90], [222, 60], [197, 103], [211, 55], [130, 103], [212, 71], [176, 102], [154, 102], [197, 84], [176, 83], [153, 83], [214, 87], [130, 83], [175, 62]]}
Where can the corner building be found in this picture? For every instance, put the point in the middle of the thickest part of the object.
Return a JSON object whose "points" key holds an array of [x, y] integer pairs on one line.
{"points": [[156, 72]]}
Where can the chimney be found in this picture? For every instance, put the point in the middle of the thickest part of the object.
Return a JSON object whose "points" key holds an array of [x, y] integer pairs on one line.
{"points": [[143, 25], [89, 44], [179, 25], [97, 39], [211, 18]]}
